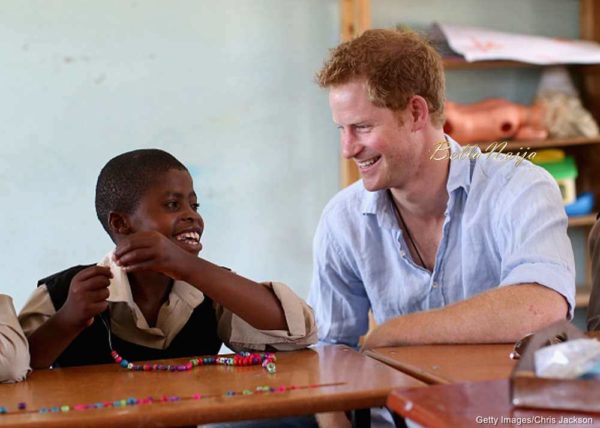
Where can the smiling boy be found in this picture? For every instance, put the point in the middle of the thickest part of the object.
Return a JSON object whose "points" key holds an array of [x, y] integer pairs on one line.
{"points": [[159, 299]]}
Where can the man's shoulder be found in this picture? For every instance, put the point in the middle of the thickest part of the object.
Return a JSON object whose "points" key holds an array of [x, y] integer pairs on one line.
{"points": [[347, 201], [508, 175]]}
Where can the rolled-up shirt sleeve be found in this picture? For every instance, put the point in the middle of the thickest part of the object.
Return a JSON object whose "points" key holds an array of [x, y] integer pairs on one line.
{"points": [[535, 247], [301, 329], [14, 350]]}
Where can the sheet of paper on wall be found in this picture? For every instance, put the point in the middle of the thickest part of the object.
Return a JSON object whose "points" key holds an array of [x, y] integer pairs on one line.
{"points": [[480, 44]]}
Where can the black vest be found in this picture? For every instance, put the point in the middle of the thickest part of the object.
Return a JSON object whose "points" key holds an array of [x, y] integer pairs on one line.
{"points": [[197, 337]]}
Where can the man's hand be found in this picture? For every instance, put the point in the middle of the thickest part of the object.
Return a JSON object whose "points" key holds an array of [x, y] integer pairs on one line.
{"points": [[152, 251], [87, 296]]}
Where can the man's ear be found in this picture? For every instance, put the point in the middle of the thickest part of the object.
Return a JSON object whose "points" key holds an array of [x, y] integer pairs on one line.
{"points": [[419, 111], [118, 223]]}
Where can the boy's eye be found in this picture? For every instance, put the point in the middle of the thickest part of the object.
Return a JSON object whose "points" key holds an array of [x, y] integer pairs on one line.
{"points": [[195, 206], [172, 205]]}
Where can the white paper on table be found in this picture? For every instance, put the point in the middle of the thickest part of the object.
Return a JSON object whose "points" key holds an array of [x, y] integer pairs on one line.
{"points": [[479, 44]]}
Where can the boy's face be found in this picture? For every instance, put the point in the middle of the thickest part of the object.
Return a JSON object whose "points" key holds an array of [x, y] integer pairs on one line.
{"points": [[169, 206]]}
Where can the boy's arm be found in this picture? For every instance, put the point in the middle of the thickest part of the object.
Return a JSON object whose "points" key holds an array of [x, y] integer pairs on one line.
{"points": [[50, 332], [254, 303], [152, 251], [301, 328], [14, 355]]}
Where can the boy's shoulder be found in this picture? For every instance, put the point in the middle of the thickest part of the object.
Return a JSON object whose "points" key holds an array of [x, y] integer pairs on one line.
{"points": [[67, 273], [58, 284]]}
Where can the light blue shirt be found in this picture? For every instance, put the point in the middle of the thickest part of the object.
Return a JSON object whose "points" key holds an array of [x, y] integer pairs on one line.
{"points": [[504, 224]]}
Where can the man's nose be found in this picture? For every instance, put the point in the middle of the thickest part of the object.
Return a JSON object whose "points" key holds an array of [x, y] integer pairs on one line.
{"points": [[350, 146]]}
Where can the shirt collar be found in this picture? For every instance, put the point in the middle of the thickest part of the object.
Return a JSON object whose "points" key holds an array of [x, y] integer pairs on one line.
{"points": [[120, 290], [460, 167], [458, 176]]}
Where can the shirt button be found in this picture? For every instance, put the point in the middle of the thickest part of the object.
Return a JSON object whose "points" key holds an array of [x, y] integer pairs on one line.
{"points": [[435, 285], [402, 253]]}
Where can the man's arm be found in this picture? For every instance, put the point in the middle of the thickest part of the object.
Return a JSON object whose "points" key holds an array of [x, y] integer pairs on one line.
{"points": [[593, 313], [503, 314]]}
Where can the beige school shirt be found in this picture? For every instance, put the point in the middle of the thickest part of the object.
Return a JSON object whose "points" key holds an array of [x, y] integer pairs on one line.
{"points": [[14, 350], [128, 322]]}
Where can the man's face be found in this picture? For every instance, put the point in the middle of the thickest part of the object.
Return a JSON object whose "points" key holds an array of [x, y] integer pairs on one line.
{"points": [[169, 207], [372, 136]]}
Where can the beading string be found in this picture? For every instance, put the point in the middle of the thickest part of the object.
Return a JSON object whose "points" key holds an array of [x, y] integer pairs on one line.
{"points": [[265, 359], [132, 401]]}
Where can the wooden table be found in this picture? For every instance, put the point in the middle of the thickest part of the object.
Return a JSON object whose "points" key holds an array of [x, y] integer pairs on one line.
{"points": [[477, 404], [445, 364], [349, 381]]}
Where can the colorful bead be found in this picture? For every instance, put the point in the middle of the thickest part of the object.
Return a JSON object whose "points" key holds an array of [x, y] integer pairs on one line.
{"points": [[266, 359], [132, 401], [21, 406]]}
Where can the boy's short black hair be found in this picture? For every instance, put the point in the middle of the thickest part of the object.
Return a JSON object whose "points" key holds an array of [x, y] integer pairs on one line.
{"points": [[125, 178]]}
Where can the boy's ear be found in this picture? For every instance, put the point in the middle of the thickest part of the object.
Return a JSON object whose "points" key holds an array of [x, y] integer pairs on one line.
{"points": [[118, 223]]}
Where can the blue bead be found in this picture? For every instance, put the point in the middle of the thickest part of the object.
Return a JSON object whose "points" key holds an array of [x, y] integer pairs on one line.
{"points": [[54, 409], [44, 410], [3, 410], [124, 363]]}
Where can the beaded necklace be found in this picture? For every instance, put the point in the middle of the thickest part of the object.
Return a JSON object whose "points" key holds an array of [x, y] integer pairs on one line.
{"points": [[265, 359]]}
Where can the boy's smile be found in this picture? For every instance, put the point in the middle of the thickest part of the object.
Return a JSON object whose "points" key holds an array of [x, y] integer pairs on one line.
{"points": [[169, 207]]}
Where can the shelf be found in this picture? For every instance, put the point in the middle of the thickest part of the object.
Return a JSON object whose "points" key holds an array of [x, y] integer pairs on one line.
{"points": [[583, 220], [540, 144], [582, 296], [459, 63]]}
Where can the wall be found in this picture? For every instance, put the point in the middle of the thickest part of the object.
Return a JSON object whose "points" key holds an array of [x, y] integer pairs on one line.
{"points": [[227, 87]]}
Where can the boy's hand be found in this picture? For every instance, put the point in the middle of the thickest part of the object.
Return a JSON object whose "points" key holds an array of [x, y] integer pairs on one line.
{"points": [[87, 296], [151, 251]]}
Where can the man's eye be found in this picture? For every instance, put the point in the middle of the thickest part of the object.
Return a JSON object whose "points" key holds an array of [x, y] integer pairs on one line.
{"points": [[172, 205], [363, 128], [195, 206]]}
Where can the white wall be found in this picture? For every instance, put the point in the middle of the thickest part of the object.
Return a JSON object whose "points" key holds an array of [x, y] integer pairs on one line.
{"points": [[227, 87]]}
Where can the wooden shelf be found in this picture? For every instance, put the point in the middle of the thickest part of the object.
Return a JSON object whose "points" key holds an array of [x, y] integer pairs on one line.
{"points": [[582, 220], [515, 146], [459, 63], [582, 296]]}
